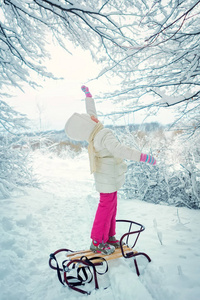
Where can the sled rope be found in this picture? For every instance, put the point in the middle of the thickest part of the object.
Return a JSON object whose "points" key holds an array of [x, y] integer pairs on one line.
{"points": [[86, 271]]}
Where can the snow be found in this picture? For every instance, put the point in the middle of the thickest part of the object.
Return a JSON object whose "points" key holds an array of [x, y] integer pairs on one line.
{"points": [[60, 215]]}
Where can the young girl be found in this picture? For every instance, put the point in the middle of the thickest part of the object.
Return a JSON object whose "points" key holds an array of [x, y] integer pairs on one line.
{"points": [[106, 156]]}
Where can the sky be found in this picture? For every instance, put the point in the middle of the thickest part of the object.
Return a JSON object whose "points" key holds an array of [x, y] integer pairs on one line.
{"points": [[57, 100]]}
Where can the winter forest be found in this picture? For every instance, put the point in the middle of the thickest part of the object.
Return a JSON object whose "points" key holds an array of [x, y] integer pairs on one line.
{"points": [[148, 54]]}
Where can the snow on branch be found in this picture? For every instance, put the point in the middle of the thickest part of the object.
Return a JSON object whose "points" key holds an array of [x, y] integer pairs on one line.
{"points": [[168, 19], [172, 100], [25, 26]]}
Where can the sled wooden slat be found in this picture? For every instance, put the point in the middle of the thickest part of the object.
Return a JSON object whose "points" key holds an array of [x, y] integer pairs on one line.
{"points": [[89, 254], [81, 253]]}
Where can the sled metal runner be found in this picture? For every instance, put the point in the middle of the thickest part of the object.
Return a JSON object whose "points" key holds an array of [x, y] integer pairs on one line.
{"points": [[86, 263]]}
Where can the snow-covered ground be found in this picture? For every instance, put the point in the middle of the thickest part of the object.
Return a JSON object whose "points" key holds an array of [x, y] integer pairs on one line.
{"points": [[60, 215]]}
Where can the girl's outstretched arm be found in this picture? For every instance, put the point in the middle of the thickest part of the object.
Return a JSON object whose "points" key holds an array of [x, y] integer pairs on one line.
{"points": [[111, 143]]}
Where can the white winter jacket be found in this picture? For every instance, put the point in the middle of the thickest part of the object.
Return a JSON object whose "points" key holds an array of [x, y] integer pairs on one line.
{"points": [[109, 152]]}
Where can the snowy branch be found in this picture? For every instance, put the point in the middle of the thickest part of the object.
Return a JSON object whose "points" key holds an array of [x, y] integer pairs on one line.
{"points": [[25, 25]]}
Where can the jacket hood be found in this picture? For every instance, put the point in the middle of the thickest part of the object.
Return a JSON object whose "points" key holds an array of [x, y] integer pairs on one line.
{"points": [[79, 127]]}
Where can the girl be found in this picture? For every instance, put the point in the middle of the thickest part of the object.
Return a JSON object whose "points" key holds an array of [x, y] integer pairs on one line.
{"points": [[106, 156]]}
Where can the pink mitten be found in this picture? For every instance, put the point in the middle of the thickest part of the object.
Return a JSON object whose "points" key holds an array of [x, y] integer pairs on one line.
{"points": [[85, 89], [147, 158]]}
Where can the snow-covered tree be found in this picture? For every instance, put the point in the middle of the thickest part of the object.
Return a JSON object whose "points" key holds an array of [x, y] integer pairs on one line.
{"points": [[152, 45], [26, 26], [163, 67]]}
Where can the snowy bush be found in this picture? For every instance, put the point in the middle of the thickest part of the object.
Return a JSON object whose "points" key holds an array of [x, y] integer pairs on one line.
{"points": [[55, 143], [175, 178], [15, 171]]}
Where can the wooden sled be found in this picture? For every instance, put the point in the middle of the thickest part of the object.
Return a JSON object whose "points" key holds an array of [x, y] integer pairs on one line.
{"points": [[86, 263], [89, 254]]}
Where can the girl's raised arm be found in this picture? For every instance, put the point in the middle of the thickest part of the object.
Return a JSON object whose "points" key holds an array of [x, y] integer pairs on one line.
{"points": [[89, 102]]}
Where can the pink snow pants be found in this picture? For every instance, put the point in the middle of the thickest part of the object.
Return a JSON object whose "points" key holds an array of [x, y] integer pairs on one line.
{"points": [[105, 219]]}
